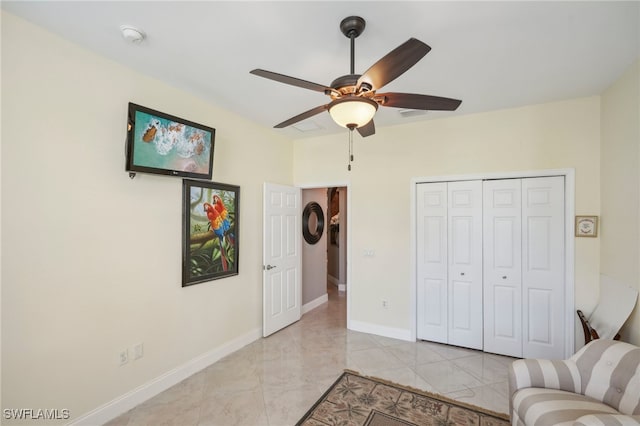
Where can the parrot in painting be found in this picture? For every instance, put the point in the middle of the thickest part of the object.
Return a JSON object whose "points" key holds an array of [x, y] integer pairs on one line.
{"points": [[219, 206], [218, 221]]}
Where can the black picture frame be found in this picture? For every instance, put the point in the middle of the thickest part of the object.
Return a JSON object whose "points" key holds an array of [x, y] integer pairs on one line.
{"points": [[210, 235], [164, 144], [312, 229]]}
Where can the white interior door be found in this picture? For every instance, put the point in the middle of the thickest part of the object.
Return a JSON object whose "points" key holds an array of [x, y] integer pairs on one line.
{"points": [[431, 213], [282, 258], [543, 268], [502, 230], [465, 263]]}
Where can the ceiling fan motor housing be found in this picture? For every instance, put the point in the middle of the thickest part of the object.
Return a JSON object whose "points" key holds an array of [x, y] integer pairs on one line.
{"points": [[348, 85]]}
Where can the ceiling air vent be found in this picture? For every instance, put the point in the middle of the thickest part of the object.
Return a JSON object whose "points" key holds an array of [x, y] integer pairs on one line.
{"points": [[406, 113], [307, 126]]}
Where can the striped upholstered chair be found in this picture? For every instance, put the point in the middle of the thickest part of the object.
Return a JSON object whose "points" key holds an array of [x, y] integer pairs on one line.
{"points": [[599, 385]]}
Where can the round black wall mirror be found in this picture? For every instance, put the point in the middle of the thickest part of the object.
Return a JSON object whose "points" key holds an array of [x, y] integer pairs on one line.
{"points": [[312, 223]]}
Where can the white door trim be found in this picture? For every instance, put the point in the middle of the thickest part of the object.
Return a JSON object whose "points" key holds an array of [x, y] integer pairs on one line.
{"points": [[346, 184], [569, 190]]}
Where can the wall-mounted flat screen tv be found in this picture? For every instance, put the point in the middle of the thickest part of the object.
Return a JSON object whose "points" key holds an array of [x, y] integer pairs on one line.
{"points": [[164, 144]]}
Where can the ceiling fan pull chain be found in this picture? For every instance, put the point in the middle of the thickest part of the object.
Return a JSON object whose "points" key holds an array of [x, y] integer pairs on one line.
{"points": [[350, 148]]}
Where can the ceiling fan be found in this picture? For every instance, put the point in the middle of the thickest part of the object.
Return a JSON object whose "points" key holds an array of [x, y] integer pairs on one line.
{"points": [[354, 100]]}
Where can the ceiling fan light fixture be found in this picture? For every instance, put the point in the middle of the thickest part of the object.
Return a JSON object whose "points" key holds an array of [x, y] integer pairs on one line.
{"points": [[352, 111]]}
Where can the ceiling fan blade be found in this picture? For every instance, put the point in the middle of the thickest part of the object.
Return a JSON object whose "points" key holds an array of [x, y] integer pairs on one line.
{"points": [[367, 130], [394, 64], [290, 80], [300, 117], [414, 101]]}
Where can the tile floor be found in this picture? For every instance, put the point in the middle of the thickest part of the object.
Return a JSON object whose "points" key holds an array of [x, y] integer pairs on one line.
{"points": [[274, 381]]}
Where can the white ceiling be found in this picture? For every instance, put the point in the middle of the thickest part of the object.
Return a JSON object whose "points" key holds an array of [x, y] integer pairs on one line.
{"points": [[492, 55]]}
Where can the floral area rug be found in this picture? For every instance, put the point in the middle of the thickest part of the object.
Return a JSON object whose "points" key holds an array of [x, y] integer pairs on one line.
{"points": [[354, 400]]}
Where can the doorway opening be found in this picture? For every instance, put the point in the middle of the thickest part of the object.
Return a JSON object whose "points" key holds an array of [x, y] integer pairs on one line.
{"points": [[325, 266]]}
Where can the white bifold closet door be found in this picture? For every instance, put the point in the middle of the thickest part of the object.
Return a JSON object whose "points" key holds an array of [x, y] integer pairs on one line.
{"points": [[524, 267], [502, 240], [449, 247], [465, 263], [432, 268], [543, 268]]}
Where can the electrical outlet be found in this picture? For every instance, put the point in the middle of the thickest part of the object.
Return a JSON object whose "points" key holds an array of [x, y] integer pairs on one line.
{"points": [[385, 304], [138, 351], [124, 357]]}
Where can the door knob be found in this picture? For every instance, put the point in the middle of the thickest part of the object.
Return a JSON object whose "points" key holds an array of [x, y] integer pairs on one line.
{"points": [[504, 277], [461, 273], [268, 267]]}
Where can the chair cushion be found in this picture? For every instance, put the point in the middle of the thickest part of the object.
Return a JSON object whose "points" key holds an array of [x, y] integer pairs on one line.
{"points": [[537, 406]]}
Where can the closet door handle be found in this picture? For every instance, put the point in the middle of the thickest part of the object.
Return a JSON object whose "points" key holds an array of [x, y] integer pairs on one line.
{"points": [[461, 273], [504, 277]]}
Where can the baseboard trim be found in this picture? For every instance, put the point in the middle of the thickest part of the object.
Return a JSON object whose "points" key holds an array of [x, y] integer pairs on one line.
{"points": [[124, 403], [315, 303], [335, 281], [381, 330]]}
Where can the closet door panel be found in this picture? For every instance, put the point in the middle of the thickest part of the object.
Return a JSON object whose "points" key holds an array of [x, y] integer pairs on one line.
{"points": [[502, 269], [431, 213], [434, 298], [461, 292], [540, 308], [543, 267], [465, 263]]}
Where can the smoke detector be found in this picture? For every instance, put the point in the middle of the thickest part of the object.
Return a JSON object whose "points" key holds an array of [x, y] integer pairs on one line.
{"points": [[132, 34]]}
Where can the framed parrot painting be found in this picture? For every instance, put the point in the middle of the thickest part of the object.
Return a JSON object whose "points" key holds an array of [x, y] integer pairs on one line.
{"points": [[210, 234]]}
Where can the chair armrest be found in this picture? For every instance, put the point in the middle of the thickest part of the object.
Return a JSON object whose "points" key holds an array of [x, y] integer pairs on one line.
{"points": [[543, 373]]}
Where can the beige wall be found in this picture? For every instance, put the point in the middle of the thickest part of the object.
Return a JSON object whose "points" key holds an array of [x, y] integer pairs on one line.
{"points": [[620, 187], [550, 136], [92, 259]]}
